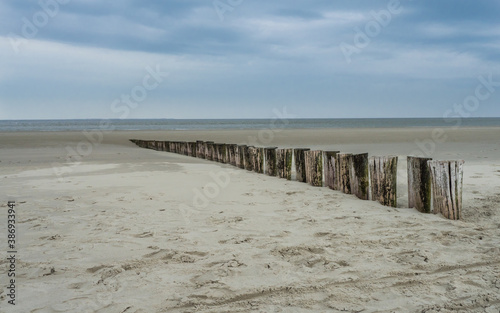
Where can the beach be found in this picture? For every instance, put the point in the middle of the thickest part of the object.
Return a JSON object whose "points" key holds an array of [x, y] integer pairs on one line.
{"points": [[106, 226]]}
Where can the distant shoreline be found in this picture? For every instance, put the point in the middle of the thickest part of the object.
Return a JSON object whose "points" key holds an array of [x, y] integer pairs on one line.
{"points": [[242, 124]]}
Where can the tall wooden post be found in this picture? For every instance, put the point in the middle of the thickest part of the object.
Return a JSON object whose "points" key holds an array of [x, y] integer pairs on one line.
{"points": [[243, 151], [314, 167], [200, 149], [250, 158], [258, 165], [271, 165], [209, 147], [231, 152], [191, 149], [383, 176], [284, 163], [358, 178], [342, 169], [184, 148], [447, 182], [221, 153], [166, 146], [329, 166], [300, 165], [419, 184], [215, 152]]}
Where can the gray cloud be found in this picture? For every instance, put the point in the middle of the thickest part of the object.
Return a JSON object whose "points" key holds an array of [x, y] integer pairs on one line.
{"points": [[264, 53]]}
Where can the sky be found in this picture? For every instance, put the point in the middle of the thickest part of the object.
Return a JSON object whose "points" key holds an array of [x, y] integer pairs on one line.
{"points": [[68, 59]]}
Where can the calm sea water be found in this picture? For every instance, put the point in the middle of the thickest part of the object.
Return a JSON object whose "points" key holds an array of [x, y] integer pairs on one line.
{"points": [[185, 124]]}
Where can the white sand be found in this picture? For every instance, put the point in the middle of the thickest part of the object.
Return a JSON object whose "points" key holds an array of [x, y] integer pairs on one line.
{"points": [[121, 232]]}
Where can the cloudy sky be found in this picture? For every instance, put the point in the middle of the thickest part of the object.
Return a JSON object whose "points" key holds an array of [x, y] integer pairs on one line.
{"points": [[244, 58]]}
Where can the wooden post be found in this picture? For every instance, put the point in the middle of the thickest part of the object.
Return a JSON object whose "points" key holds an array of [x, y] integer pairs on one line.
{"points": [[231, 154], [284, 163], [200, 149], [314, 167], [166, 146], [419, 184], [271, 166], [447, 183], [258, 165], [243, 152], [342, 169], [300, 165], [358, 176], [184, 148], [209, 146], [219, 151], [215, 152], [191, 149], [383, 177], [329, 166], [249, 158], [224, 154]]}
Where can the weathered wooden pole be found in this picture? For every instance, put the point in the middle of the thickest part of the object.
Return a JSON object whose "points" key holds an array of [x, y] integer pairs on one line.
{"points": [[184, 148], [447, 183], [342, 169], [192, 149], [358, 178], [231, 154], [243, 151], [200, 149], [166, 146], [314, 167], [215, 152], [258, 165], [271, 166], [329, 167], [209, 146], [224, 153], [300, 165], [419, 184], [249, 159], [284, 163], [383, 177]]}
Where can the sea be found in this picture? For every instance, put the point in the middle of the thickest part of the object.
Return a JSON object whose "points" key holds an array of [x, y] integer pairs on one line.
{"points": [[228, 124]]}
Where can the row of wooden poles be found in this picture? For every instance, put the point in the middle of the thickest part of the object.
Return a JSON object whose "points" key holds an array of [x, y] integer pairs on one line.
{"points": [[433, 186]]}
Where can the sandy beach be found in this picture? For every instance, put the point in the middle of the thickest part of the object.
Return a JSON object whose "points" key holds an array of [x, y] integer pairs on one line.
{"points": [[124, 229]]}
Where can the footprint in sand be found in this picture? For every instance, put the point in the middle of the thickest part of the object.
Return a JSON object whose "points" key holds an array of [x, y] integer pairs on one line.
{"points": [[144, 235]]}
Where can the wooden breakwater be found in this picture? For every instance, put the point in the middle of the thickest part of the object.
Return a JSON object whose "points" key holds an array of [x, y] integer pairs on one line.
{"points": [[433, 186]]}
